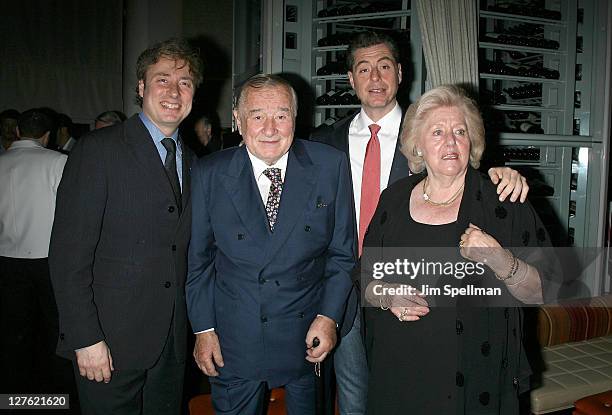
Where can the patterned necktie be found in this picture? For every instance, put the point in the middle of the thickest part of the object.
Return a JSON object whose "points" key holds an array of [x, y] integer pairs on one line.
{"points": [[170, 166], [276, 187], [370, 183]]}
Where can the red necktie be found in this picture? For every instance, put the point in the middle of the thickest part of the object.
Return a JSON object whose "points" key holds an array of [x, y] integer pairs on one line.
{"points": [[370, 183]]}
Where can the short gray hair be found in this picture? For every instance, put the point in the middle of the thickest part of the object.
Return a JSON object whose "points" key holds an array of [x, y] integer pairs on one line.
{"points": [[262, 81], [442, 96]]}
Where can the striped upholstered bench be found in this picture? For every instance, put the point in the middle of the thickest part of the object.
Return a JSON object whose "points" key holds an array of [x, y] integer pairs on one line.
{"points": [[577, 353]]}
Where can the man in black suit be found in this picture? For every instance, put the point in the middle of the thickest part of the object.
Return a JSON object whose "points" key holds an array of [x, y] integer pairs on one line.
{"points": [[119, 244], [375, 73]]}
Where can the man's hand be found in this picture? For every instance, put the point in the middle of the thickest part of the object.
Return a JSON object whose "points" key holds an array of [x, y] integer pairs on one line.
{"points": [[509, 182], [323, 328], [207, 353], [95, 362]]}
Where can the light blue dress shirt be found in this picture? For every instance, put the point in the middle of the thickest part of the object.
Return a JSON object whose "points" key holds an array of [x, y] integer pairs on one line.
{"points": [[157, 136]]}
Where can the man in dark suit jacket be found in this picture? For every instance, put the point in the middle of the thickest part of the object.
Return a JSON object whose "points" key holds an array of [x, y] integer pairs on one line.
{"points": [[119, 246], [375, 73], [271, 251]]}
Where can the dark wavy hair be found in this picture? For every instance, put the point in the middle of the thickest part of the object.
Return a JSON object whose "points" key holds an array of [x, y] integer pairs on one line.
{"points": [[174, 49]]}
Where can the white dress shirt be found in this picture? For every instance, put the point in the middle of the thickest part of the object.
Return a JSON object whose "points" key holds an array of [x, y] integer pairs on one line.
{"points": [[359, 135], [29, 176], [263, 183]]}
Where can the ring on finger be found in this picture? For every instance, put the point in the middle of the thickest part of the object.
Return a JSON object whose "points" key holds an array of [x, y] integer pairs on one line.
{"points": [[403, 314], [461, 243]]}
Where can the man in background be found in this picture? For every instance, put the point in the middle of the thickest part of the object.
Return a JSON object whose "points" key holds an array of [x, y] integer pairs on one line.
{"points": [[28, 315], [108, 118], [8, 126]]}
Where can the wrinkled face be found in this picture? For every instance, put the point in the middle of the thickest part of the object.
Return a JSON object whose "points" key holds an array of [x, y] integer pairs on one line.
{"points": [[167, 93], [266, 122], [375, 77], [444, 142]]}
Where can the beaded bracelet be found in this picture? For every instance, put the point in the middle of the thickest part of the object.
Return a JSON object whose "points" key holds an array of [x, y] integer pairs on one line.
{"points": [[513, 267]]}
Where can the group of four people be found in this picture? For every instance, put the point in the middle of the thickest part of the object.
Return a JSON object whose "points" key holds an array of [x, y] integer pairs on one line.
{"points": [[256, 246]]}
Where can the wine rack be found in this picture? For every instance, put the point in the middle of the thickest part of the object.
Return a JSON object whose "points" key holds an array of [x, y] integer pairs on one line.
{"points": [[527, 65], [334, 22]]}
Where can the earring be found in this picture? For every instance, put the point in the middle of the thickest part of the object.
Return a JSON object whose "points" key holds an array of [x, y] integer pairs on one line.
{"points": [[418, 152]]}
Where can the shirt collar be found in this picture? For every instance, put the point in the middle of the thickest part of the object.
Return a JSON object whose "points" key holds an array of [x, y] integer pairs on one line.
{"points": [[25, 142], [154, 131], [391, 121], [259, 165]]}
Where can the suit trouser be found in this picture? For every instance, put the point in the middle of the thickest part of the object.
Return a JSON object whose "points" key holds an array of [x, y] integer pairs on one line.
{"points": [[154, 391], [29, 330], [236, 396]]}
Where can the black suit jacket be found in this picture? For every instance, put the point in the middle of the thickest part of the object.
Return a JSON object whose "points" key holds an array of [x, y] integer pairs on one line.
{"points": [[118, 248], [337, 135]]}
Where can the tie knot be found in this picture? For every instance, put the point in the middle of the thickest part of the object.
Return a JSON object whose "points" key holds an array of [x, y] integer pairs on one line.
{"points": [[374, 129], [169, 145], [273, 173]]}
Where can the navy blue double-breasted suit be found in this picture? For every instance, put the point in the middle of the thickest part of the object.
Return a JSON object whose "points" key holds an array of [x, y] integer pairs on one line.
{"points": [[260, 290]]}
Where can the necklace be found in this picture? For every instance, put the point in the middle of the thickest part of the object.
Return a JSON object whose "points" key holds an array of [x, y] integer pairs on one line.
{"points": [[445, 203]]}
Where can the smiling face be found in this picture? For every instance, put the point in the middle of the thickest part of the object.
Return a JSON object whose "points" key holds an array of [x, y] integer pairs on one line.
{"points": [[375, 77], [266, 121], [444, 142], [167, 93]]}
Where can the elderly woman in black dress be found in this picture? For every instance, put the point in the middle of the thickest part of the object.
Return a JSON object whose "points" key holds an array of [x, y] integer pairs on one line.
{"points": [[443, 356]]}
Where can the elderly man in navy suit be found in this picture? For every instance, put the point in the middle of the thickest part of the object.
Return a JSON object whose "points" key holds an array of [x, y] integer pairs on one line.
{"points": [[271, 251]]}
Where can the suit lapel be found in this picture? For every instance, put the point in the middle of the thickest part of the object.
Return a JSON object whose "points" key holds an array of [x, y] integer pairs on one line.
{"points": [[399, 168], [300, 179], [140, 144], [187, 160], [240, 185]]}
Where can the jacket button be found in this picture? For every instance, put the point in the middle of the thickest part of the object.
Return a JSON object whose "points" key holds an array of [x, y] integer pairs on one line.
{"points": [[307, 228], [240, 236], [62, 336], [459, 379], [459, 327], [515, 382], [170, 209], [264, 319], [484, 398], [485, 348], [300, 315], [174, 247], [167, 284], [262, 280]]}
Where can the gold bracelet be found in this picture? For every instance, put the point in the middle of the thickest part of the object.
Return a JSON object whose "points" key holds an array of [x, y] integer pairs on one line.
{"points": [[513, 267], [523, 279]]}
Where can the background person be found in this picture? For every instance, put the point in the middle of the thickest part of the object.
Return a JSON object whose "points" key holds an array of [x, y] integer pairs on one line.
{"points": [[108, 118], [28, 314]]}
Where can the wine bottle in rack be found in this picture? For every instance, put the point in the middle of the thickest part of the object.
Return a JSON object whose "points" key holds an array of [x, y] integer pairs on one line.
{"points": [[326, 97], [348, 97], [530, 128]]}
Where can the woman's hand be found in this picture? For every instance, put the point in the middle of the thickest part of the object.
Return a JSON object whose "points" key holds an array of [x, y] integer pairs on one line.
{"points": [[404, 301], [477, 245]]}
